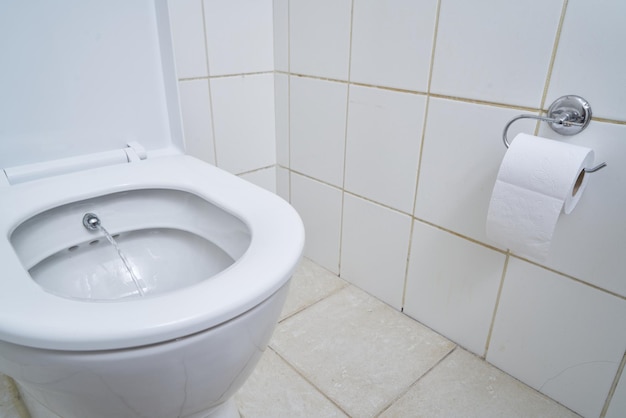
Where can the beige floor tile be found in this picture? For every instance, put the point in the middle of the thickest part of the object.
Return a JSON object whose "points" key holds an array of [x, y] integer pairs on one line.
{"points": [[357, 350], [275, 390], [310, 283], [463, 385]]}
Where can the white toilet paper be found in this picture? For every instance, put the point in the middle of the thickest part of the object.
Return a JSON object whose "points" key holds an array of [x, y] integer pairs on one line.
{"points": [[538, 179]]}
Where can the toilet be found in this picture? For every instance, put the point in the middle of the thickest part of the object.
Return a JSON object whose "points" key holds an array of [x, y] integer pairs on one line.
{"points": [[136, 281]]}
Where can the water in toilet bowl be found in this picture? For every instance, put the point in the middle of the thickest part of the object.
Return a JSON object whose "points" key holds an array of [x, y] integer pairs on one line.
{"points": [[162, 259], [170, 240]]}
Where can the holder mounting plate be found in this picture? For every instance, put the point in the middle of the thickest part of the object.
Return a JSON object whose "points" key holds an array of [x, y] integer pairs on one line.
{"points": [[573, 112]]}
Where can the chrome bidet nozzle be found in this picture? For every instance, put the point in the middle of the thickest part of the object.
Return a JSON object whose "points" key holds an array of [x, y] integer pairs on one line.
{"points": [[91, 221]]}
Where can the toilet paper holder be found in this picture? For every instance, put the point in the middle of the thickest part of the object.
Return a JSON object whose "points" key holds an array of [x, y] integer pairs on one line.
{"points": [[568, 115]]}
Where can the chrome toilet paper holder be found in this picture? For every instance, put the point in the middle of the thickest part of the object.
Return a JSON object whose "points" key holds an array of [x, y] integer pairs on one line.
{"points": [[568, 115]]}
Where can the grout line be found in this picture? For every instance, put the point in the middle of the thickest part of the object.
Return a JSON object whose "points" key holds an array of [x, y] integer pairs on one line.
{"points": [[407, 265], [497, 304], [421, 152], [346, 284], [289, 175], [436, 96], [209, 77], [306, 379], [409, 387], [609, 397], [388, 88], [567, 276], [345, 144], [605, 120], [555, 46], [243, 173], [467, 238], [208, 81]]}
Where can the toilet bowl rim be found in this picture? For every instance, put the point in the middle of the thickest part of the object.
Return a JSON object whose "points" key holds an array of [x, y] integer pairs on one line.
{"points": [[277, 239]]}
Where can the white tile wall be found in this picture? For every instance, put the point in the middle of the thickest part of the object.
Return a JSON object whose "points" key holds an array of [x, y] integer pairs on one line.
{"points": [[187, 24], [375, 243], [452, 285], [228, 107], [392, 43], [487, 52], [283, 183], [491, 52], [462, 152], [495, 51], [265, 178], [383, 145], [588, 62], [318, 128], [598, 219], [281, 35], [546, 336], [239, 36], [195, 103], [281, 103], [243, 117], [319, 205], [319, 37]]}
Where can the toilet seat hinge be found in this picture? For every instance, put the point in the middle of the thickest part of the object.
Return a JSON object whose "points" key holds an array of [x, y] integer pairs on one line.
{"points": [[23, 173], [135, 152]]}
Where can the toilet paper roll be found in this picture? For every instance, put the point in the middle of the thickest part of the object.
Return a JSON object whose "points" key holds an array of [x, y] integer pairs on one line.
{"points": [[538, 179]]}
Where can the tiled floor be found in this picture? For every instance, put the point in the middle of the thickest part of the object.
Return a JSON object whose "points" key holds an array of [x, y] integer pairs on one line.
{"points": [[339, 352]]}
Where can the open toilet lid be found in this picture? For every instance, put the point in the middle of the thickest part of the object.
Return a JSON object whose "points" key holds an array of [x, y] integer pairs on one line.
{"points": [[86, 77]]}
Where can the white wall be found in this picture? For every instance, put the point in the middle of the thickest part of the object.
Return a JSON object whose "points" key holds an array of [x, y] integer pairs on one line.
{"points": [[225, 67], [382, 121]]}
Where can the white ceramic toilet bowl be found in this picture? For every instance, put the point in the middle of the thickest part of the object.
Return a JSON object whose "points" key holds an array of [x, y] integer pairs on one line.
{"points": [[214, 255]]}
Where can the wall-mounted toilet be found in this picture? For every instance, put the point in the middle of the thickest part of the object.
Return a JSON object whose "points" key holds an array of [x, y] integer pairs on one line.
{"points": [[174, 325]]}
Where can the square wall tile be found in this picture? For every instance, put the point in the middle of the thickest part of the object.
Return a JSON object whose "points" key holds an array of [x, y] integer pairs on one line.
{"points": [[319, 206], [495, 51], [281, 35], [358, 351], [462, 153], [239, 35], [374, 248], [452, 285], [265, 178], [243, 117], [587, 61], [187, 25], [392, 43], [320, 37], [195, 105], [599, 216], [281, 109], [383, 145], [318, 128], [462, 385], [561, 337]]}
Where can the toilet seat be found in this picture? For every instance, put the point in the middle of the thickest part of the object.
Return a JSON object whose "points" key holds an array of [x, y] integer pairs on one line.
{"points": [[30, 316], [63, 140]]}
